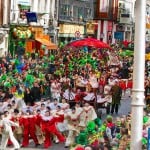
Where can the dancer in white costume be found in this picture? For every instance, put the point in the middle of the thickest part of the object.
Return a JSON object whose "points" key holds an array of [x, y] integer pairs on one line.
{"points": [[7, 132], [73, 127], [93, 81], [90, 113], [56, 89]]}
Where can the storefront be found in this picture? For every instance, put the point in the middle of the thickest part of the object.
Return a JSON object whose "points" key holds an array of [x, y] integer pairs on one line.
{"points": [[28, 39], [69, 32]]}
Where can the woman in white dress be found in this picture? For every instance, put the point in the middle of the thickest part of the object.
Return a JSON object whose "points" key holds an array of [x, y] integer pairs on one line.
{"points": [[93, 82], [56, 89]]}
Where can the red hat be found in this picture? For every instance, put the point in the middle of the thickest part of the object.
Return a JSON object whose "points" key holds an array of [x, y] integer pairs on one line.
{"points": [[79, 148]]}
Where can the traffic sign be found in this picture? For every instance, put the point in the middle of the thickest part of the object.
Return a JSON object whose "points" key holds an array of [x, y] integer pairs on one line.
{"points": [[77, 34]]}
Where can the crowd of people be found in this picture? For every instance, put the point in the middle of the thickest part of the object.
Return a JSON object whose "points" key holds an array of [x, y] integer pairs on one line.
{"points": [[52, 98]]}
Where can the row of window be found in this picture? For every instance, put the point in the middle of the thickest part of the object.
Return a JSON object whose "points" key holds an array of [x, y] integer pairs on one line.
{"points": [[75, 12]]}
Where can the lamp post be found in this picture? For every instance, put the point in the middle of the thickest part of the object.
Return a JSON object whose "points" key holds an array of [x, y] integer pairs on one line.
{"points": [[138, 76]]}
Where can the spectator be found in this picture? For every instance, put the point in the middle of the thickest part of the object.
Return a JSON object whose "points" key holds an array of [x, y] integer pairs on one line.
{"points": [[35, 92], [116, 97]]}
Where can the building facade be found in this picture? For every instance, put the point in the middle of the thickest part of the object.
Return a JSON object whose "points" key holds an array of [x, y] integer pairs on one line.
{"points": [[29, 25], [74, 19], [126, 19], [106, 15], [115, 20], [4, 26]]}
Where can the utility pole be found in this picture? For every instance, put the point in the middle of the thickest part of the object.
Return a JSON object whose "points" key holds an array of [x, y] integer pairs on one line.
{"points": [[138, 76]]}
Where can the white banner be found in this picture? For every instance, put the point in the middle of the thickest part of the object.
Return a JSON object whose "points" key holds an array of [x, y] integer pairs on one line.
{"points": [[24, 2]]}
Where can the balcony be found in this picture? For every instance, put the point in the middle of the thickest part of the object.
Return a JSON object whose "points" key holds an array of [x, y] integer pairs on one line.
{"points": [[76, 11]]}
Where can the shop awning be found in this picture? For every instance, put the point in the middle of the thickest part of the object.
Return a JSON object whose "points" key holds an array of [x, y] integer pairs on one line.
{"points": [[47, 43]]}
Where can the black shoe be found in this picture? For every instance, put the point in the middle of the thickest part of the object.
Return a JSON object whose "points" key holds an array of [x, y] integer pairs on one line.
{"points": [[37, 145], [66, 146], [22, 146]]}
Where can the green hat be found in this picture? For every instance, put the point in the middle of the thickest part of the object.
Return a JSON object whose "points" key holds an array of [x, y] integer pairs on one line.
{"points": [[98, 121], [144, 141], [145, 119], [82, 138], [7, 84], [91, 127], [118, 136]]}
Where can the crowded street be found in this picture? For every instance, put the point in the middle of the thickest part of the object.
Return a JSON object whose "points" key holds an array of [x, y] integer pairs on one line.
{"points": [[74, 74], [124, 110]]}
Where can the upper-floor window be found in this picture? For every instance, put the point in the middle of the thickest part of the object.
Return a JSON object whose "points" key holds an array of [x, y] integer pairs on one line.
{"points": [[78, 13], [65, 10], [88, 13], [81, 13]]}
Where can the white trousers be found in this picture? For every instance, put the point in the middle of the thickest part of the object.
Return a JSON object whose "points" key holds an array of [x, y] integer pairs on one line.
{"points": [[5, 137], [70, 138]]}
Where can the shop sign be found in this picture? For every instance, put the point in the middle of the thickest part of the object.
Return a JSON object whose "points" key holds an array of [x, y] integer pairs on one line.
{"points": [[24, 2], [118, 35], [70, 29], [77, 34], [90, 27]]}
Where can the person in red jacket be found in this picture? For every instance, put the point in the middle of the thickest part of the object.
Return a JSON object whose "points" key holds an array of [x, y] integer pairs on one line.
{"points": [[28, 123], [48, 126]]}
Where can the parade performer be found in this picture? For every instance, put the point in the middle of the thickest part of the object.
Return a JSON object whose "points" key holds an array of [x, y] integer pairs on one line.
{"points": [[7, 132], [64, 105], [28, 122], [18, 129], [81, 114], [48, 125], [59, 115], [39, 133], [102, 83], [90, 113], [69, 94], [122, 84], [61, 123], [73, 126], [55, 89], [93, 82]]}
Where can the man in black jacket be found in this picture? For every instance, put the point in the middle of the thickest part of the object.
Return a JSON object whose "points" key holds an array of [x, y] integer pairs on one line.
{"points": [[36, 92]]}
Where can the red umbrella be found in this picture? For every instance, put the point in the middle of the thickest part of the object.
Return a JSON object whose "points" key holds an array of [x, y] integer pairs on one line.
{"points": [[89, 42]]}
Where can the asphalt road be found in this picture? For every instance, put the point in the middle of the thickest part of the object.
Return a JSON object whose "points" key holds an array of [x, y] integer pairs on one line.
{"points": [[123, 110]]}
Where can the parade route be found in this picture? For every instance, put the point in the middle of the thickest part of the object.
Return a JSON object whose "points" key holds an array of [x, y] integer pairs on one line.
{"points": [[124, 109]]}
